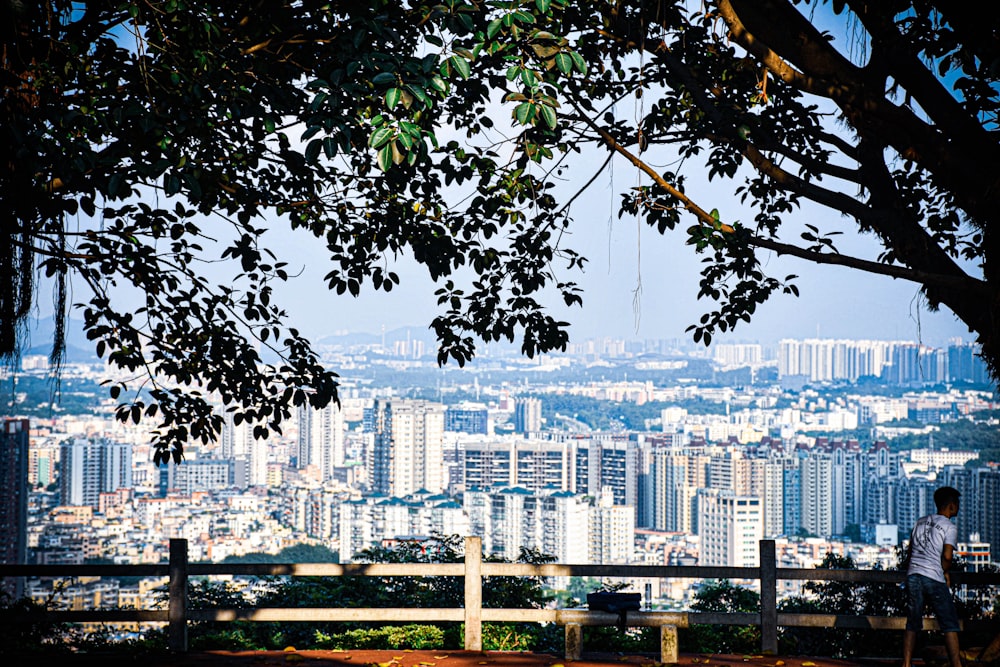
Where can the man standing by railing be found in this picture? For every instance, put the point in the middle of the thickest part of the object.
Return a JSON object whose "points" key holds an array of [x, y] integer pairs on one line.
{"points": [[932, 543]]}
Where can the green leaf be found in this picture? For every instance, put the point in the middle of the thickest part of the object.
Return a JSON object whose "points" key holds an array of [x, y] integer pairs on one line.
{"points": [[392, 97], [312, 150], [524, 113], [439, 84], [564, 62], [384, 78], [172, 185], [385, 157], [581, 64], [548, 115], [543, 6], [493, 28], [330, 147], [461, 66], [420, 94], [380, 137]]}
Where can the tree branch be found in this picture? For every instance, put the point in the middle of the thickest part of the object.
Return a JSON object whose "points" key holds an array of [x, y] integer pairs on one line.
{"points": [[907, 69], [824, 72], [891, 270], [963, 281]]}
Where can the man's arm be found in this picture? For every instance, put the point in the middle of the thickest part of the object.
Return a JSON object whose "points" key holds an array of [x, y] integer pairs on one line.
{"points": [[946, 556]]}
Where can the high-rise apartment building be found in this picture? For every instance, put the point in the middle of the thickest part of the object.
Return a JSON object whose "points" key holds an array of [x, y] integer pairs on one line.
{"points": [[730, 527], [369, 521], [896, 362], [248, 454], [321, 439], [791, 489], [978, 487], [90, 467], [560, 523], [527, 415], [472, 418], [612, 533], [14, 500], [674, 479], [43, 464], [406, 452], [606, 460], [816, 471], [986, 506], [773, 497], [914, 498], [195, 475]]}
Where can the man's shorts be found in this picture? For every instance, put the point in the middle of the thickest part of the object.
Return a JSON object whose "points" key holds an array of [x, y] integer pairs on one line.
{"points": [[921, 590]]}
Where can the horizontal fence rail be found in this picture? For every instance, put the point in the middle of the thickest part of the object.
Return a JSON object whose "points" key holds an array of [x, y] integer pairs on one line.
{"points": [[472, 614]]}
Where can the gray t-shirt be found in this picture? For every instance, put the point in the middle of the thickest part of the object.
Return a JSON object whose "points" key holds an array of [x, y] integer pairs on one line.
{"points": [[927, 541]]}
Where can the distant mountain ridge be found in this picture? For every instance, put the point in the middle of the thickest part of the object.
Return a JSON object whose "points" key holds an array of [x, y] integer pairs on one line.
{"points": [[41, 332], [366, 338], [80, 350]]}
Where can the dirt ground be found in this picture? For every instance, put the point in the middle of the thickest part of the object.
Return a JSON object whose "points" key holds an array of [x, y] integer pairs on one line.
{"points": [[293, 658]]}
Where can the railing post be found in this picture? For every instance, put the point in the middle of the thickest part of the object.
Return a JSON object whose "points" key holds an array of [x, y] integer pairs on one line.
{"points": [[668, 645], [574, 641], [768, 598], [177, 597], [473, 594]]}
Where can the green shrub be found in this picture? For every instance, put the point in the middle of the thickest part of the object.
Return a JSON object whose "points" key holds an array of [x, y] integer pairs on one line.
{"points": [[411, 636], [508, 637]]}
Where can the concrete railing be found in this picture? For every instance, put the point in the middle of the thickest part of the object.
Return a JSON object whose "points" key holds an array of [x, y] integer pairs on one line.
{"points": [[472, 614]]}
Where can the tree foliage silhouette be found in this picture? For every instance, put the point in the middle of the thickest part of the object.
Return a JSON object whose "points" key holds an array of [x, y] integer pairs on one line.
{"points": [[143, 139]]}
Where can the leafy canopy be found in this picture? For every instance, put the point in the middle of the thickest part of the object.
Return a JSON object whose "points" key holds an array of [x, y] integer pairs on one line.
{"points": [[144, 139]]}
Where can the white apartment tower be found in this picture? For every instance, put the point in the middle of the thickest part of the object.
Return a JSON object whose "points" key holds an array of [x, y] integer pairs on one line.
{"points": [[248, 454], [612, 531], [817, 499], [731, 528], [88, 468], [675, 480], [321, 439], [407, 452], [528, 415]]}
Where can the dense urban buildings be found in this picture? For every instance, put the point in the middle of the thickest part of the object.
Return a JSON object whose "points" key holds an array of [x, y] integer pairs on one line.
{"points": [[704, 471]]}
